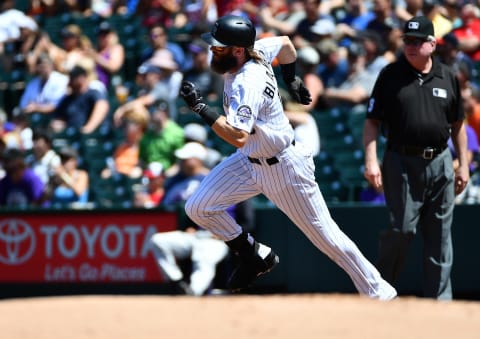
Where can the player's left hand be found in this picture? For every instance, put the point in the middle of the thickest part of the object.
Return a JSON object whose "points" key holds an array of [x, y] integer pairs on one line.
{"points": [[298, 91]]}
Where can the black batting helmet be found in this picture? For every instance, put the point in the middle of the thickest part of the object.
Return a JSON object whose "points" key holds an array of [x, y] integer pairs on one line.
{"points": [[231, 30]]}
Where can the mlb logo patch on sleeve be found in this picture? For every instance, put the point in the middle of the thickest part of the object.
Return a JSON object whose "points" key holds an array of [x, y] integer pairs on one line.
{"points": [[440, 93]]}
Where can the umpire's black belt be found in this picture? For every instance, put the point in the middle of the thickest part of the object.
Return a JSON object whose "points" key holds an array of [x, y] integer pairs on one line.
{"points": [[427, 153], [270, 161]]}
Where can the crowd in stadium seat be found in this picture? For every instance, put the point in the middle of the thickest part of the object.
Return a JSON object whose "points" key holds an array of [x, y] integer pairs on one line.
{"points": [[124, 61]]}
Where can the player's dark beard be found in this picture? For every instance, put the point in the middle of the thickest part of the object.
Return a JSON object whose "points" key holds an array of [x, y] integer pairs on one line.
{"points": [[223, 64]]}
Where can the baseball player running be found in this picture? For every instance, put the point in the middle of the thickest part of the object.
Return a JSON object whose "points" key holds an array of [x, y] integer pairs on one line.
{"points": [[268, 160]]}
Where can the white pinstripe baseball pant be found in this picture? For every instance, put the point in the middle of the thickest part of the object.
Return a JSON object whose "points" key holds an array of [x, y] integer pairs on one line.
{"points": [[290, 184]]}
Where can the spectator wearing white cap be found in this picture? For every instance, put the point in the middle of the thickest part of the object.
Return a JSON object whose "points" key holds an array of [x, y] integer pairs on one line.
{"points": [[323, 28], [198, 133], [192, 171], [195, 132]]}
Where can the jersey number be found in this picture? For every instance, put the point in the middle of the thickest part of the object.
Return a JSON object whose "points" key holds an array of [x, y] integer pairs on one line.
{"points": [[269, 90]]}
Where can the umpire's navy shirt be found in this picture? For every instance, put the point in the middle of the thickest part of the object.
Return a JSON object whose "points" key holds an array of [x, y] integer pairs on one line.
{"points": [[414, 109]]}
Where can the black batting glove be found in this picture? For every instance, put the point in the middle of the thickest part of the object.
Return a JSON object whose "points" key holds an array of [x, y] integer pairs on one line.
{"points": [[298, 91], [192, 97], [194, 100]]}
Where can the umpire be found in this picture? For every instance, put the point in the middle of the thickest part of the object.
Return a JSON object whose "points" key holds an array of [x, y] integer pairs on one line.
{"points": [[417, 103]]}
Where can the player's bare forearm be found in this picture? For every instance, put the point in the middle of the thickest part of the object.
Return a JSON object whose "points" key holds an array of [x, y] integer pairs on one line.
{"points": [[230, 134], [287, 53]]}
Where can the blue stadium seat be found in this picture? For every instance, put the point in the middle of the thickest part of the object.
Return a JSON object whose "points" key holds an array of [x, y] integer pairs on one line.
{"points": [[113, 192], [338, 142], [334, 192], [68, 137], [355, 122]]}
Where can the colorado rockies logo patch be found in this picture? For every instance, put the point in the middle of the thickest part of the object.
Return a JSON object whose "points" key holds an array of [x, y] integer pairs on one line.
{"points": [[244, 112]]}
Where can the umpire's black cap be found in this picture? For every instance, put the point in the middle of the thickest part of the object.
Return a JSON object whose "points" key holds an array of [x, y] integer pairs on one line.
{"points": [[231, 30], [419, 27]]}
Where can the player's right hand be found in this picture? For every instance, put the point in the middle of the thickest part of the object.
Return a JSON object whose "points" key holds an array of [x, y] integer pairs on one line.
{"points": [[190, 94], [299, 92], [192, 97]]}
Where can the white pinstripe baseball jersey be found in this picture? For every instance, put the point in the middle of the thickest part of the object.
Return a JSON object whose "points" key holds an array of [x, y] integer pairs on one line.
{"points": [[252, 103]]}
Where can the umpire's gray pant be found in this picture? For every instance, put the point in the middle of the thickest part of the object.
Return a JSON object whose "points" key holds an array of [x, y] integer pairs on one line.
{"points": [[419, 192]]}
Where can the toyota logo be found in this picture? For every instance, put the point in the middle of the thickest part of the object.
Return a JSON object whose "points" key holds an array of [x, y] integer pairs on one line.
{"points": [[17, 241]]}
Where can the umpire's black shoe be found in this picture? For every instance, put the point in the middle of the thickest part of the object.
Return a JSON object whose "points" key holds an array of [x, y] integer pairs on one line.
{"points": [[250, 267]]}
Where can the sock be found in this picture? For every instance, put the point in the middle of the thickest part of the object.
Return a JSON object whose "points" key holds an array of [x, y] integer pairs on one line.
{"points": [[243, 245]]}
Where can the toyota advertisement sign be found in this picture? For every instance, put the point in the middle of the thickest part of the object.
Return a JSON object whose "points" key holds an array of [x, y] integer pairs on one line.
{"points": [[79, 247]]}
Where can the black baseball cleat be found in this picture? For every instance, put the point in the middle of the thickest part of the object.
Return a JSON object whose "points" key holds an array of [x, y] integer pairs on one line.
{"points": [[251, 267]]}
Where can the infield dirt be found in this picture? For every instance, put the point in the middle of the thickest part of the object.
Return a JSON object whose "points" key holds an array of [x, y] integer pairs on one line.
{"points": [[231, 317]]}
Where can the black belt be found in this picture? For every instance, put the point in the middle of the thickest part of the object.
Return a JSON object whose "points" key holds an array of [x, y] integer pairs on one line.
{"points": [[270, 161], [427, 153]]}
